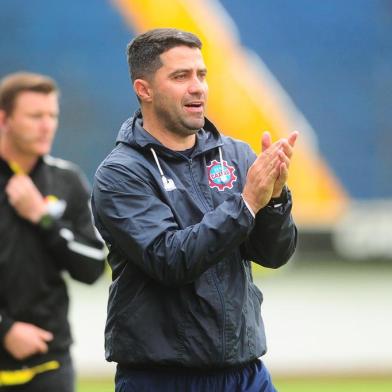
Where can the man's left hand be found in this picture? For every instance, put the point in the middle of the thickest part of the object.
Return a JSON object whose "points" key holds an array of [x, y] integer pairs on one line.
{"points": [[285, 155]]}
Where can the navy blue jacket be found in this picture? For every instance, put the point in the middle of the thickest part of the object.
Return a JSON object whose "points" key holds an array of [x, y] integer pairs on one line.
{"points": [[181, 241]]}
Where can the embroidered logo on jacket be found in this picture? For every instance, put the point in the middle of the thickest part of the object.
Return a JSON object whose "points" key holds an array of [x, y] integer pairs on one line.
{"points": [[221, 178]]}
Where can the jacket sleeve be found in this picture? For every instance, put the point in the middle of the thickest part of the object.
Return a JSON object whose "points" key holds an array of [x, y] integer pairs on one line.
{"points": [[273, 239], [132, 217], [73, 240], [5, 324]]}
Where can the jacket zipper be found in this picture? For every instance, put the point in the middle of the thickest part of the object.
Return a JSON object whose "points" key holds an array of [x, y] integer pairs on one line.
{"points": [[195, 186], [213, 273]]}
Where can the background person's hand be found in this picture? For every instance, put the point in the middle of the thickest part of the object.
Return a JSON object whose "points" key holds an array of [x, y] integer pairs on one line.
{"points": [[26, 199], [24, 340]]}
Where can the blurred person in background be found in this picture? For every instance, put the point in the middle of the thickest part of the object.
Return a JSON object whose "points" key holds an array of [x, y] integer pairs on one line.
{"points": [[184, 210], [45, 228]]}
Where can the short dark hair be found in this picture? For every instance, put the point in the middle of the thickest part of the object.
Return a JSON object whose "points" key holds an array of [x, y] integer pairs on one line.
{"points": [[14, 84], [143, 51]]}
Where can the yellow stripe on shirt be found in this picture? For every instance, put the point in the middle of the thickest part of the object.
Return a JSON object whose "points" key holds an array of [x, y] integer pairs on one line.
{"points": [[23, 376]]}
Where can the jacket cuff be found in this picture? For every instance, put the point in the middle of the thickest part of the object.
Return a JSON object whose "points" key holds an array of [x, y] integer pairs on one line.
{"points": [[5, 325], [51, 234], [280, 205], [248, 207]]}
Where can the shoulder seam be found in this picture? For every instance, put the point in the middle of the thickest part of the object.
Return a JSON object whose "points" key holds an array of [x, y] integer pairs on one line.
{"points": [[58, 162]]}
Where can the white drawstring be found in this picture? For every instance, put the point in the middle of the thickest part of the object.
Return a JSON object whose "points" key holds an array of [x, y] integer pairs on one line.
{"points": [[157, 162], [221, 160], [168, 183]]}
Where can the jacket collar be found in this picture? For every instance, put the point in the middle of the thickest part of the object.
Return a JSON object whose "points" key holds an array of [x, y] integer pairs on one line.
{"points": [[133, 134], [5, 167]]}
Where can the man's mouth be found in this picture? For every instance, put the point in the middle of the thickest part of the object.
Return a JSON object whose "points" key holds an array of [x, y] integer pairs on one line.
{"points": [[195, 106]]}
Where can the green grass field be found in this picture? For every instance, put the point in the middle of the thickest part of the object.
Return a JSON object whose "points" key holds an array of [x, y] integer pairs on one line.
{"points": [[95, 385], [283, 385], [334, 385]]}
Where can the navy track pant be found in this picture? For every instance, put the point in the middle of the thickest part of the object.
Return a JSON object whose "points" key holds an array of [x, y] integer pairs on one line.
{"points": [[251, 378]]}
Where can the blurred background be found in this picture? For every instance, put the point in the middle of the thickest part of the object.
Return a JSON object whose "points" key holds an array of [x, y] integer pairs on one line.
{"points": [[323, 68]]}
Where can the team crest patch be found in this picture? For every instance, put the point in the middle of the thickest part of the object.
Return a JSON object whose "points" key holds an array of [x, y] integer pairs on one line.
{"points": [[221, 179]]}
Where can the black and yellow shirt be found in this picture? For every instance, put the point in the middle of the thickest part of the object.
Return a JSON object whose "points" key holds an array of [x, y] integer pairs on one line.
{"points": [[33, 257]]}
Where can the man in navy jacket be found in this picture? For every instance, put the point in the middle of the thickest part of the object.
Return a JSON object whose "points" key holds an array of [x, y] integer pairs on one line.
{"points": [[184, 210]]}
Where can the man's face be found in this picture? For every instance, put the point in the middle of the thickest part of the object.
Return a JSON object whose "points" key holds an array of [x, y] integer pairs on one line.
{"points": [[179, 90], [33, 123]]}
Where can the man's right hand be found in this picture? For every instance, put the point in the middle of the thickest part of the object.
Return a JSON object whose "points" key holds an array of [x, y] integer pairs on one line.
{"points": [[24, 340]]}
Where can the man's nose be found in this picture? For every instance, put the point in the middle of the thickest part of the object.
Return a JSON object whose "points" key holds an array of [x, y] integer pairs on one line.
{"points": [[48, 123], [197, 86]]}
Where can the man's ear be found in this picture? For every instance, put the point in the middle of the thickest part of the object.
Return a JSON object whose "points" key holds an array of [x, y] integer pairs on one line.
{"points": [[143, 90]]}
